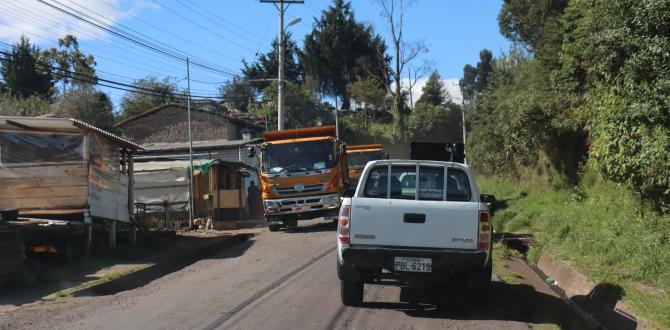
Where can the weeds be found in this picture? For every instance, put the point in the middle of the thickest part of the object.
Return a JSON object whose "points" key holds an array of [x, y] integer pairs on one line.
{"points": [[598, 226]]}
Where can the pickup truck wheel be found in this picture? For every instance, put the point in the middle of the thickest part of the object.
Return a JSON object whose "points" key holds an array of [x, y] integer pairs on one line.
{"points": [[351, 293], [274, 228]]}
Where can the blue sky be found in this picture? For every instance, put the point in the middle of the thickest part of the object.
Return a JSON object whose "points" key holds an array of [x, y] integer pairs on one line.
{"points": [[221, 33]]}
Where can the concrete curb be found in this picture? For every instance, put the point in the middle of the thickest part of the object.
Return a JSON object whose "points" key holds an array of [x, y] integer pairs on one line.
{"points": [[601, 301]]}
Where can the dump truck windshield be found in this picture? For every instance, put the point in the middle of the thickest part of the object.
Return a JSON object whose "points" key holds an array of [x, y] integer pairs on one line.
{"points": [[298, 157], [359, 159]]}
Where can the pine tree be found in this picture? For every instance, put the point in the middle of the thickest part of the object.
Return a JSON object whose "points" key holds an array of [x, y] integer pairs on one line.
{"points": [[23, 72], [433, 92], [339, 50]]}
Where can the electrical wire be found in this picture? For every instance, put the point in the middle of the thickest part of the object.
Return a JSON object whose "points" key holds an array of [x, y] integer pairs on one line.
{"points": [[142, 37], [202, 26], [155, 48], [153, 26], [110, 83]]}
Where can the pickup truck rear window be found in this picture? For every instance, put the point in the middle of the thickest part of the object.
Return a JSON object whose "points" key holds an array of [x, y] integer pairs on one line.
{"points": [[403, 183], [458, 186], [377, 184]]}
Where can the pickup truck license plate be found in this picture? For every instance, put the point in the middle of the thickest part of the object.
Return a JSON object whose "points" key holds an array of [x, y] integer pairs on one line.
{"points": [[407, 264]]}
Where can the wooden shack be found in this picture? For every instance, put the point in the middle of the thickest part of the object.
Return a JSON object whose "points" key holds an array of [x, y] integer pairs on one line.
{"points": [[61, 168], [218, 190]]}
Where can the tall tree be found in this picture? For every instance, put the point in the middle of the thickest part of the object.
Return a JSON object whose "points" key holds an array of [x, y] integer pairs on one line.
{"points": [[393, 12], [237, 93], [484, 69], [154, 92], [339, 50], [266, 68], [369, 96], [74, 68], [433, 91], [88, 105], [468, 83], [436, 122], [23, 72], [526, 21], [302, 108], [476, 79]]}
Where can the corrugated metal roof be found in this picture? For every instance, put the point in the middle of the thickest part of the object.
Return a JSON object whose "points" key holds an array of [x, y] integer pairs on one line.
{"points": [[198, 144], [248, 123], [67, 125], [152, 166]]}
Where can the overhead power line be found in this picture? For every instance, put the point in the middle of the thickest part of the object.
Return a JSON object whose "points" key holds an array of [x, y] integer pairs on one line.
{"points": [[133, 39], [218, 17], [222, 37], [111, 83], [153, 26]]}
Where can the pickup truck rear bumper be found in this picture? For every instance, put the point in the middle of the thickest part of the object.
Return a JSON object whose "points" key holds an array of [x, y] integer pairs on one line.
{"points": [[356, 260]]}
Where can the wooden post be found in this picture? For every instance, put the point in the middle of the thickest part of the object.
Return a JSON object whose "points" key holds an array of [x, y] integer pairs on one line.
{"points": [[112, 234], [88, 223], [131, 198], [132, 234], [214, 186]]}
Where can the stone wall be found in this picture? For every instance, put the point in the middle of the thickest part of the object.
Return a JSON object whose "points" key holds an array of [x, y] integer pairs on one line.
{"points": [[171, 125]]}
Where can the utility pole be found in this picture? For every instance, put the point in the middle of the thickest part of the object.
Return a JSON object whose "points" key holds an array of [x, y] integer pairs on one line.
{"points": [[191, 213], [462, 114], [280, 95], [409, 81], [280, 99]]}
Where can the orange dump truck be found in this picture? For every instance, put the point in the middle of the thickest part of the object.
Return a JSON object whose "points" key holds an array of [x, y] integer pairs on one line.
{"points": [[358, 156], [303, 175]]}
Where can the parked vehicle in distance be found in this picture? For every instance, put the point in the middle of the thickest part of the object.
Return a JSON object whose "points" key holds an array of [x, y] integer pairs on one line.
{"points": [[413, 231], [358, 156], [303, 175]]}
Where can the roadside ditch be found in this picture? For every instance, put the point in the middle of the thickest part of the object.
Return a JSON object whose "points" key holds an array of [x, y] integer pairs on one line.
{"points": [[601, 304]]}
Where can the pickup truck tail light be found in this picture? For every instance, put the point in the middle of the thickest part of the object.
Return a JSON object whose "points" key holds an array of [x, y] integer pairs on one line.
{"points": [[484, 230], [343, 224]]}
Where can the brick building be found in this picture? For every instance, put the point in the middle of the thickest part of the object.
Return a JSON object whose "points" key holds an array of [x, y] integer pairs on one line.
{"points": [[168, 123]]}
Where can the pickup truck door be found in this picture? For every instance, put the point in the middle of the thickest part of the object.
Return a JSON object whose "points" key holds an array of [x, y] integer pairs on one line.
{"points": [[404, 222]]}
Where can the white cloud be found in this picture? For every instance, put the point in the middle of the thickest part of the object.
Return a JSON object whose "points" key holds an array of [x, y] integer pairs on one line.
{"points": [[451, 86], [40, 22]]}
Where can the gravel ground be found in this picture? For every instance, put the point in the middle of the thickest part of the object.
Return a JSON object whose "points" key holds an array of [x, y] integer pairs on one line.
{"points": [[286, 280]]}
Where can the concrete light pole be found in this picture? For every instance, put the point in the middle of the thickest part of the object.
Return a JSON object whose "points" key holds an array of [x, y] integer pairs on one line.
{"points": [[280, 93]]}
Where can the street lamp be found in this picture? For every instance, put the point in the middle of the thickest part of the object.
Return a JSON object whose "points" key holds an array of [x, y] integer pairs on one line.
{"points": [[294, 22]]}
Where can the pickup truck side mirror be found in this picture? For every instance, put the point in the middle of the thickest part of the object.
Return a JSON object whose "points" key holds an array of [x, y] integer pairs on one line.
{"points": [[490, 200]]}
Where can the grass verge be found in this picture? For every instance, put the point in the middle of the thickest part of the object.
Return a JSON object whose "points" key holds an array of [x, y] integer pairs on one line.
{"points": [[599, 227]]}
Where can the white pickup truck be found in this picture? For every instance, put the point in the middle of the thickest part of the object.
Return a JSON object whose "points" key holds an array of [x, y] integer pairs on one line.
{"points": [[402, 225]]}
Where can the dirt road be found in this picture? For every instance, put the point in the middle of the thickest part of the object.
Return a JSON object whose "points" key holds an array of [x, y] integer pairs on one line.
{"points": [[287, 280]]}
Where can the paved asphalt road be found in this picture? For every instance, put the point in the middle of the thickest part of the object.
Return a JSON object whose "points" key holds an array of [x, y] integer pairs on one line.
{"points": [[287, 280]]}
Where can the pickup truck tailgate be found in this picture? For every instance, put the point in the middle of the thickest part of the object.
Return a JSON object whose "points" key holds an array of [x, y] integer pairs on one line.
{"points": [[412, 223]]}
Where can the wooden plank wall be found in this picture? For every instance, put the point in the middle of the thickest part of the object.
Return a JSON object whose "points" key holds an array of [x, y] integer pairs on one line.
{"points": [[44, 186]]}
